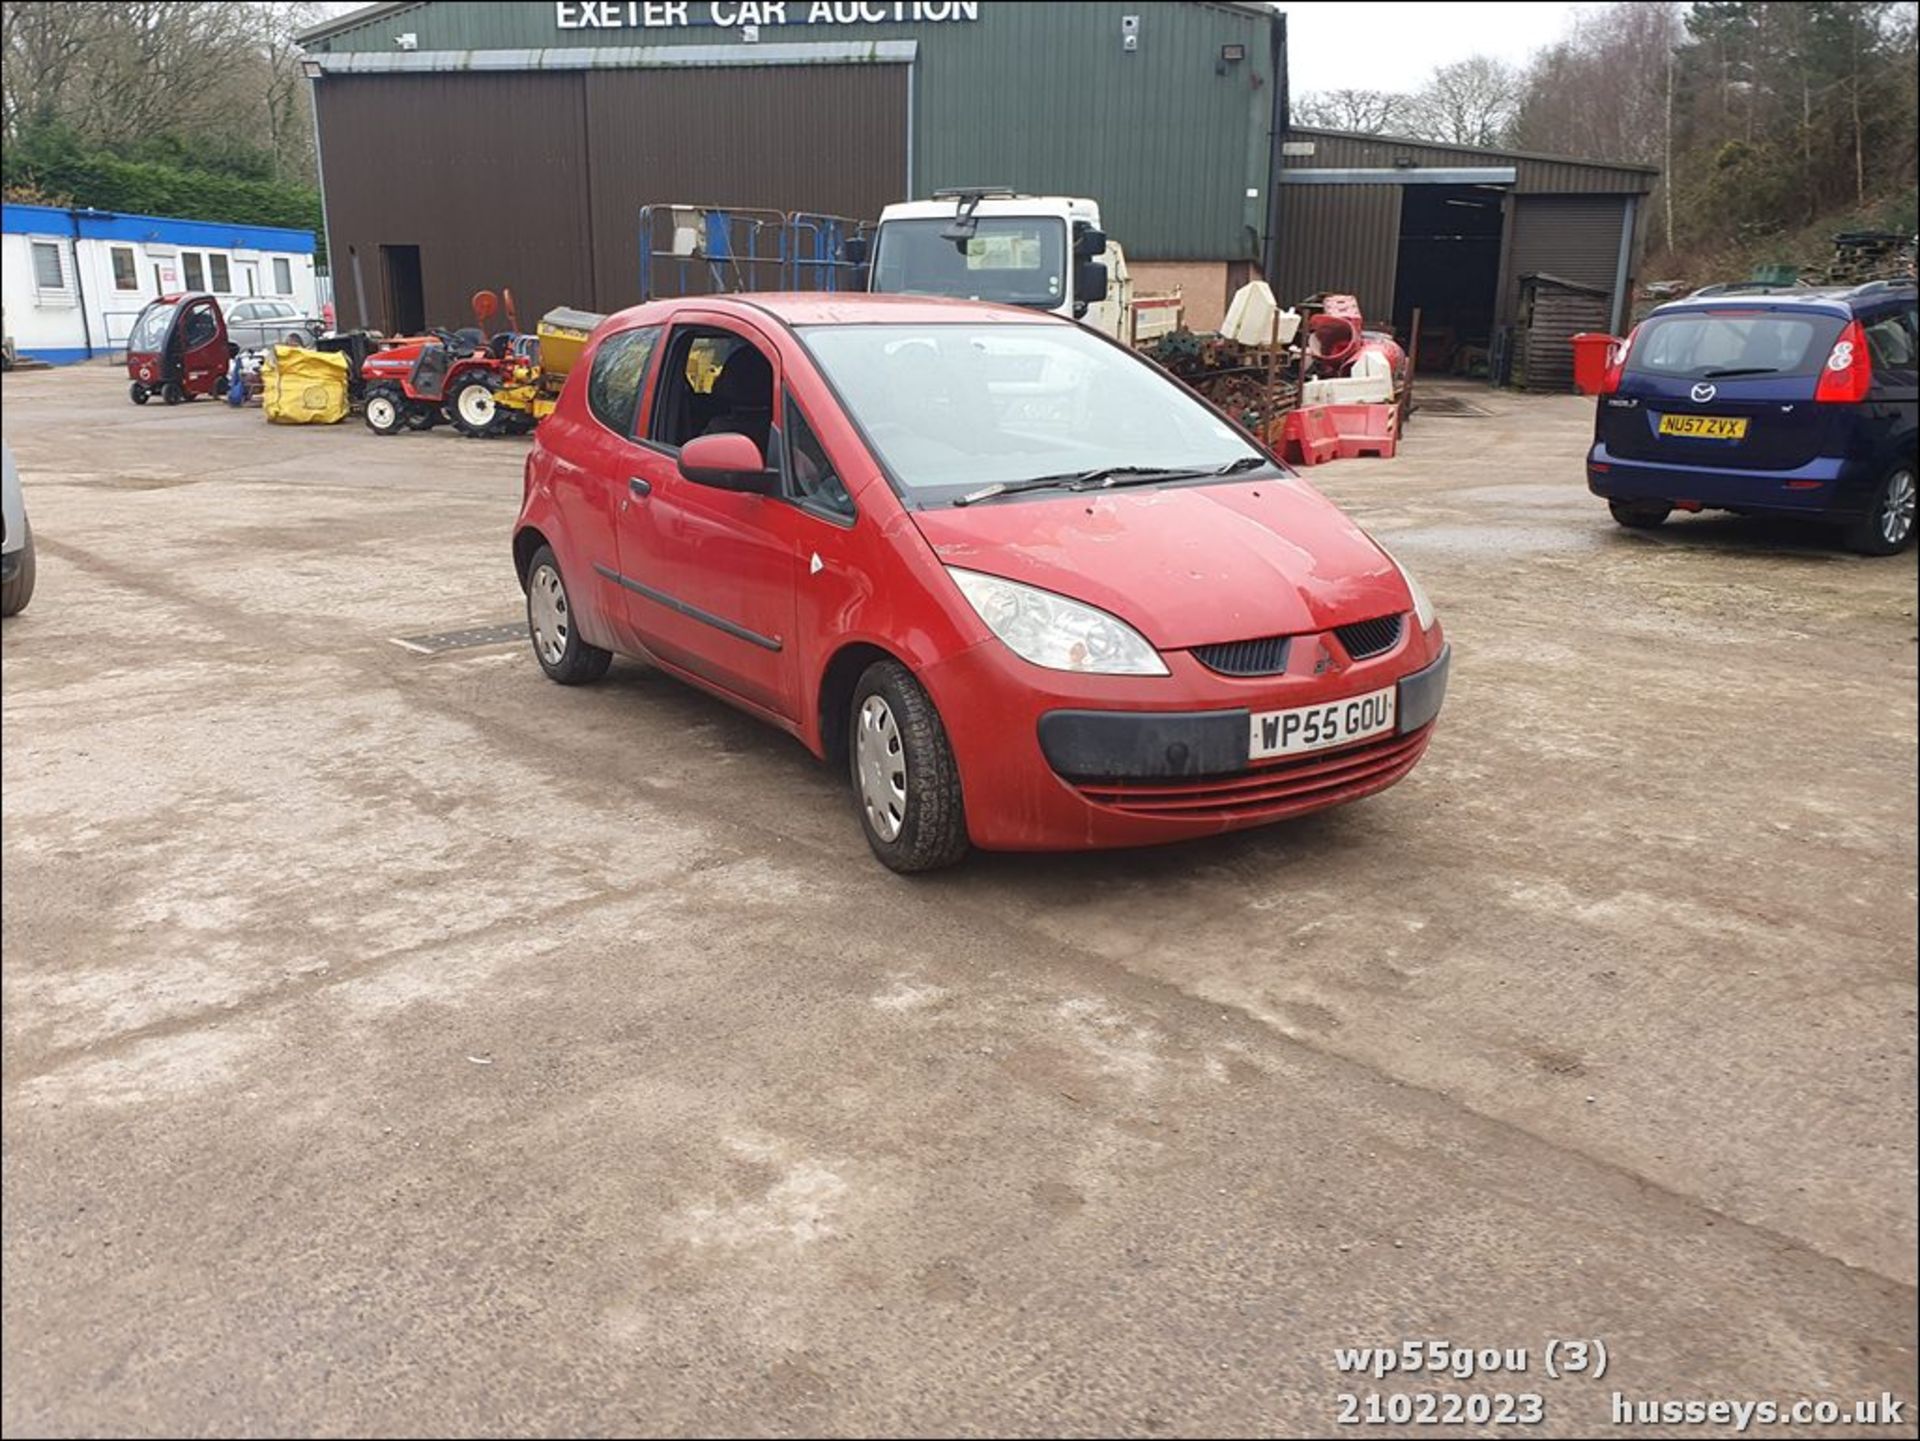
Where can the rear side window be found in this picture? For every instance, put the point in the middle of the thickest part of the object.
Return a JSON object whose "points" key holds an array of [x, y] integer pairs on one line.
{"points": [[1891, 341], [1708, 345], [619, 370]]}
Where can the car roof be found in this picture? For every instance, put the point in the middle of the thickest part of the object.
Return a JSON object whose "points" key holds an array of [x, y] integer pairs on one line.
{"points": [[1827, 299], [841, 308]]}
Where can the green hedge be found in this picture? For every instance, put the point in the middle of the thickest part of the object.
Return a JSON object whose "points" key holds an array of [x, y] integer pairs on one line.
{"points": [[61, 173]]}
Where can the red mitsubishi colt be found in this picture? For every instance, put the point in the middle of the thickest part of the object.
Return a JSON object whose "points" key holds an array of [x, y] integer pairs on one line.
{"points": [[1028, 590]]}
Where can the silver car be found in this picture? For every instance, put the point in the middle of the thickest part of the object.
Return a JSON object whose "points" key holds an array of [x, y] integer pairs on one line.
{"points": [[257, 324], [16, 539]]}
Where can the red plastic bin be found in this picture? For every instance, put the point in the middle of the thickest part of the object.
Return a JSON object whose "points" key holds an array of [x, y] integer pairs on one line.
{"points": [[1591, 352]]}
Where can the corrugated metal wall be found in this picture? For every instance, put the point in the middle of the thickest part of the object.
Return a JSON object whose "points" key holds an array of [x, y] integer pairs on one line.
{"points": [[664, 135], [534, 180], [1038, 94], [485, 173], [1339, 237], [1535, 174]]}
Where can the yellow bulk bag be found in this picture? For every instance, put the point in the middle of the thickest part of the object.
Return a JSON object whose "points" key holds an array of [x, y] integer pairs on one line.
{"points": [[304, 387]]}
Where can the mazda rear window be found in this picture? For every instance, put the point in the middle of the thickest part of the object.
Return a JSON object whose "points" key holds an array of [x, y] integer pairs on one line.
{"points": [[1713, 345]]}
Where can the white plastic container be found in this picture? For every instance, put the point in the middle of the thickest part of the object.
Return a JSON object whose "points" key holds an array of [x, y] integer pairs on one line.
{"points": [[1255, 317]]}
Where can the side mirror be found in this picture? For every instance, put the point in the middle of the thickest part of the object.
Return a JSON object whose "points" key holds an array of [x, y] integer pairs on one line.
{"points": [[1090, 244], [855, 250], [1089, 282], [727, 462]]}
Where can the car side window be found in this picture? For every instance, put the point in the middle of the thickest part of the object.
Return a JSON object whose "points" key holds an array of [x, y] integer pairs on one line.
{"points": [[713, 383], [1891, 340], [242, 312], [619, 373], [200, 327], [811, 478]]}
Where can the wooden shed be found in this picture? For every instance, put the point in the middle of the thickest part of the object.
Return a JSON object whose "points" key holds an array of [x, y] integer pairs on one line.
{"points": [[1552, 311]]}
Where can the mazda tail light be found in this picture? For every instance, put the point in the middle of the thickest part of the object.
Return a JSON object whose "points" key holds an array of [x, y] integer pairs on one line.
{"points": [[1848, 373]]}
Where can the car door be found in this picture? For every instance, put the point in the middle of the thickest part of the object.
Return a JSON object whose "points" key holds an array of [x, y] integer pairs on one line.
{"points": [[1893, 345], [586, 455], [709, 572], [203, 346]]}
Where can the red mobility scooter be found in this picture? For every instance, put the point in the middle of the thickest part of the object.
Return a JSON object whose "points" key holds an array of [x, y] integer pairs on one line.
{"points": [[178, 349]]}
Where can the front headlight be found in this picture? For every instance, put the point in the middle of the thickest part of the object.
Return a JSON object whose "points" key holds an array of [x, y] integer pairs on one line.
{"points": [[1055, 632], [1422, 606]]}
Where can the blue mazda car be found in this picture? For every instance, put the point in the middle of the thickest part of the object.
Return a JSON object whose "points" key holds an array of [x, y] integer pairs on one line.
{"points": [[1794, 401]]}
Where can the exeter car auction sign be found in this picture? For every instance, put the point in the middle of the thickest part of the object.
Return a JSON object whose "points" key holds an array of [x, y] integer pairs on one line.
{"points": [[731, 14]]}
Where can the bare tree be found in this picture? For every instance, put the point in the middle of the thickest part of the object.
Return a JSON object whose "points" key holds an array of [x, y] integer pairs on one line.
{"points": [[1368, 112], [1470, 102]]}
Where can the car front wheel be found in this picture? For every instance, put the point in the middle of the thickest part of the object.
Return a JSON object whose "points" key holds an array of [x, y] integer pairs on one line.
{"points": [[564, 654], [904, 776], [1887, 528]]}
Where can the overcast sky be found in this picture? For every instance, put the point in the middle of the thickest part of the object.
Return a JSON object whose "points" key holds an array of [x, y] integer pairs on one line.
{"points": [[1340, 45]]}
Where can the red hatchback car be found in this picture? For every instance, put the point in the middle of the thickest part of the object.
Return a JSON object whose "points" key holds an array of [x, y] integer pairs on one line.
{"points": [[1031, 592]]}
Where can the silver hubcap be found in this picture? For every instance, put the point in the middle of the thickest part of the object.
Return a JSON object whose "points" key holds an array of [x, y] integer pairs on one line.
{"points": [[1896, 517], [380, 411], [547, 614], [882, 760], [476, 405]]}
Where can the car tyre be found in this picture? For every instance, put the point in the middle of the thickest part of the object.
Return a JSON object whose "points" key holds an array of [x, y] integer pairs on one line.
{"points": [[18, 590], [385, 409], [471, 405], [138, 393], [173, 393], [906, 783], [1640, 514], [564, 654], [1887, 527]]}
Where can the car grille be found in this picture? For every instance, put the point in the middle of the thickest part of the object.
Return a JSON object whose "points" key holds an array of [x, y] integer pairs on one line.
{"points": [[1269, 789], [1267, 656], [1370, 637]]}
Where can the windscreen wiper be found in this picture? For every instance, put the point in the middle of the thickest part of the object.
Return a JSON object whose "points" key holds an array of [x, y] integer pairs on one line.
{"points": [[1133, 475], [1740, 370], [1105, 477]]}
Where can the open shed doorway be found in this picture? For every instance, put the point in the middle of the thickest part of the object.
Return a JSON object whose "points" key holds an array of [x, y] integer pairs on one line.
{"points": [[1449, 270]]}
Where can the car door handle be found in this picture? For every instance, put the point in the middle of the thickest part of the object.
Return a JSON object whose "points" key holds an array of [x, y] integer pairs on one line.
{"points": [[641, 488]]}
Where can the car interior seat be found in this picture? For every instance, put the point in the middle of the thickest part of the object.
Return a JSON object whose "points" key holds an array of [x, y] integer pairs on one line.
{"points": [[742, 397]]}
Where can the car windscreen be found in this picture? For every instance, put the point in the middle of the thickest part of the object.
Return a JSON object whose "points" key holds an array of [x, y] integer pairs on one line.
{"points": [[1716, 344], [150, 330], [953, 408], [1017, 261]]}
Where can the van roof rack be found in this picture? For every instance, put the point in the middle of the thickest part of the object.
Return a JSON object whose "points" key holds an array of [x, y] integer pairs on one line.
{"points": [[974, 192]]}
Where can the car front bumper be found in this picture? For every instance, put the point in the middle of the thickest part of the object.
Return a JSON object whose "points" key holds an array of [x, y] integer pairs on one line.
{"points": [[1054, 761]]}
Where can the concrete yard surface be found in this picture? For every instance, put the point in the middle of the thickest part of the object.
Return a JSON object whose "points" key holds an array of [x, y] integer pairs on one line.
{"points": [[398, 1043]]}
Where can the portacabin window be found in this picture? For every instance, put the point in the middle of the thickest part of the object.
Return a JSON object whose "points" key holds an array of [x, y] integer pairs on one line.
{"points": [[126, 271], [49, 271], [282, 275], [193, 266], [619, 373], [222, 276]]}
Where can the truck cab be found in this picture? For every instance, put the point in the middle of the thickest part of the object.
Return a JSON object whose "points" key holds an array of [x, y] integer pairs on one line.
{"points": [[1047, 252]]}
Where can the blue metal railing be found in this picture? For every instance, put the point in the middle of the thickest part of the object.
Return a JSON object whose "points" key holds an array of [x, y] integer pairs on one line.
{"points": [[715, 250]]}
